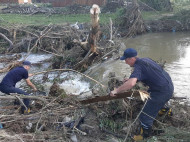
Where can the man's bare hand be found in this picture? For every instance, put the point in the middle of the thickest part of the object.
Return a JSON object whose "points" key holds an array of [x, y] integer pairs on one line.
{"points": [[112, 93]]}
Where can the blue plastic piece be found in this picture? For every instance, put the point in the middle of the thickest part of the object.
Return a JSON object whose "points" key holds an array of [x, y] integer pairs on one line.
{"points": [[1, 126]]}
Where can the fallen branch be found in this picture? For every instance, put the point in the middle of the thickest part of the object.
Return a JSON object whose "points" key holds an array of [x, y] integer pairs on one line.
{"points": [[37, 41], [13, 96], [108, 97], [83, 61], [22, 102], [178, 98], [28, 32], [111, 30], [69, 70], [9, 41]]}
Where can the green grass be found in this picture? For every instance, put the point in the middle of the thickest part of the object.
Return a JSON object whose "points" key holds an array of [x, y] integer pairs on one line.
{"points": [[41, 19]]}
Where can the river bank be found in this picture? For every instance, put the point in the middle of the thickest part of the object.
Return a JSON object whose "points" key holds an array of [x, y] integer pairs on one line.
{"points": [[63, 117], [105, 119]]}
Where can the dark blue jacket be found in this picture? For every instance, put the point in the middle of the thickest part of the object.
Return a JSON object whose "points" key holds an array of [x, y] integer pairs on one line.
{"points": [[14, 76], [150, 73]]}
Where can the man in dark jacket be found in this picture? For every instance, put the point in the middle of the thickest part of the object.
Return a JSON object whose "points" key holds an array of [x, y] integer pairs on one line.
{"points": [[15, 75], [160, 87]]}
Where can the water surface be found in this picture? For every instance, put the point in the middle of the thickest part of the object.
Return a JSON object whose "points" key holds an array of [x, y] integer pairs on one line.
{"points": [[174, 48]]}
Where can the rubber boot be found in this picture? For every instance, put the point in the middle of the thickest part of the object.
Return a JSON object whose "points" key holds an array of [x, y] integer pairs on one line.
{"points": [[144, 133], [170, 113], [24, 111], [147, 132], [28, 111], [139, 137], [165, 110]]}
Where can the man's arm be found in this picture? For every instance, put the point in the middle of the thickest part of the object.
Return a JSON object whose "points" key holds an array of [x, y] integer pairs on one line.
{"points": [[29, 83], [124, 87]]}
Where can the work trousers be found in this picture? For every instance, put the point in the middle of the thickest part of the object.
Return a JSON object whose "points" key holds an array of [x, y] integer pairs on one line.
{"points": [[158, 98], [10, 89]]}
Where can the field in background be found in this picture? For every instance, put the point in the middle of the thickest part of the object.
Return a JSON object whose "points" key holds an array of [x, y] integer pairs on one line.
{"points": [[59, 19], [41, 19]]}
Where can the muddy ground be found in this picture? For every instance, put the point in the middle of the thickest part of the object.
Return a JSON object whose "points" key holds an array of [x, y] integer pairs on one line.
{"points": [[64, 119]]}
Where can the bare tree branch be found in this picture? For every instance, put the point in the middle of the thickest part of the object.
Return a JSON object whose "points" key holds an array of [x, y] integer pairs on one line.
{"points": [[9, 41], [22, 97]]}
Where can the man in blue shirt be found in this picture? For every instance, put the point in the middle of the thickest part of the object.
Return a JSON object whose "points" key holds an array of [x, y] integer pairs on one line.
{"points": [[160, 88], [15, 75]]}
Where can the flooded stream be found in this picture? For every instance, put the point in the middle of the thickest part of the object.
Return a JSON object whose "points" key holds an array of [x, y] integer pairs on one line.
{"points": [[174, 48]]}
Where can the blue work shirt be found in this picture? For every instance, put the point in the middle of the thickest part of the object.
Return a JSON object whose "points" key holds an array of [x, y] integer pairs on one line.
{"points": [[150, 73], [14, 76]]}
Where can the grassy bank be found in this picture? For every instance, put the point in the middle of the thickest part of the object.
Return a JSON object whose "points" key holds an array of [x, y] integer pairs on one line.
{"points": [[41, 19], [58, 19]]}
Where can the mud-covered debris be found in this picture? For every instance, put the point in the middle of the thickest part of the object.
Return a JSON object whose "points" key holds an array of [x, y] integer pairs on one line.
{"points": [[113, 81], [56, 91]]}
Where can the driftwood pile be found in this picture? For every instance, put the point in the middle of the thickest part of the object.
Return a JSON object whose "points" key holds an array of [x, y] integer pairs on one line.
{"points": [[171, 23], [47, 117], [73, 45], [131, 21], [65, 118], [27, 9]]}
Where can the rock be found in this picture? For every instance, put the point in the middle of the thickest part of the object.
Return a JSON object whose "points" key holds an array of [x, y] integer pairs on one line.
{"points": [[113, 140], [74, 138]]}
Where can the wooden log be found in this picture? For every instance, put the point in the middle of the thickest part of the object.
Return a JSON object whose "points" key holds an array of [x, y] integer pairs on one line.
{"points": [[94, 11], [108, 97], [23, 97], [122, 95]]}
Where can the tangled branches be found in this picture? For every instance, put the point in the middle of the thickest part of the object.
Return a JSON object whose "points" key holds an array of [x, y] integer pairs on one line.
{"points": [[131, 21]]}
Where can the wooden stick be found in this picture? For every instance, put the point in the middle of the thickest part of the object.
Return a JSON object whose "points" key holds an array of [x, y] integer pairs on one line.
{"points": [[111, 30], [108, 97], [22, 97], [22, 102], [38, 41], [51, 52]]}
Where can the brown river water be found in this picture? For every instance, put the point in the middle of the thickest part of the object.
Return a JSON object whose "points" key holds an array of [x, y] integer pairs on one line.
{"points": [[174, 48]]}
